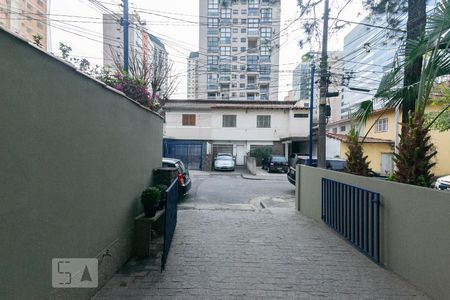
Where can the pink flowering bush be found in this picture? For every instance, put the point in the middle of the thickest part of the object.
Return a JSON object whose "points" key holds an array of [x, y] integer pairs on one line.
{"points": [[134, 88]]}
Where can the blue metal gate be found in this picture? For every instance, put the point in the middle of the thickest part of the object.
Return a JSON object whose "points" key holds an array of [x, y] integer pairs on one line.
{"points": [[170, 222], [354, 213], [190, 152]]}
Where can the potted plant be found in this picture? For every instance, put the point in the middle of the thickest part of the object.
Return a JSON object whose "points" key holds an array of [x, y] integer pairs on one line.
{"points": [[150, 199], [162, 189]]}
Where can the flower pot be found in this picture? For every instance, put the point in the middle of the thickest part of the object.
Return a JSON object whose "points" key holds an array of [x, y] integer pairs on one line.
{"points": [[150, 211]]}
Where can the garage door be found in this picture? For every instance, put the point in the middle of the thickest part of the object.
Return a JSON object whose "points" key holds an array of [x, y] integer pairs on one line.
{"points": [[222, 148], [190, 153]]}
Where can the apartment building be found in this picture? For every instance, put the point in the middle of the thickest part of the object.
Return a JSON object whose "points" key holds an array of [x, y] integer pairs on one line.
{"points": [[27, 18], [144, 48], [239, 49], [301, 83], [192, 76]]}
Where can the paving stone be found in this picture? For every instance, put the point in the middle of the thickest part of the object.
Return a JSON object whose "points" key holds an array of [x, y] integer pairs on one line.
{"points": [[259, 254]]}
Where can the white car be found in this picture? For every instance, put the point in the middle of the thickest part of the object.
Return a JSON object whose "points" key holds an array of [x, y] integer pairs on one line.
{"points": [[443, 183], [224, 162]]}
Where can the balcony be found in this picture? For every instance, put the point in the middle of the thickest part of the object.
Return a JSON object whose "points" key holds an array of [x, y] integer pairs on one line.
{"points": [[213, 87], [213, 68], [252, 50], [224, 78], [253, 32], [225, 22], [213, 31], [253, 12], [264, 78], [264, 59], [252, 86], [225, 41], [252, 68], [225, 59], [266, 21], [213, 49]]}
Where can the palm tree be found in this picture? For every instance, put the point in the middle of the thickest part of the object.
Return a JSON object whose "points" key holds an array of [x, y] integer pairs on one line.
{"points": [[415, 151]]}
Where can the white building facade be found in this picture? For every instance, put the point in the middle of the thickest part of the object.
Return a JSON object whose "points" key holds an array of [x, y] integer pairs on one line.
{"points": [[238, 127], [239, 49]]}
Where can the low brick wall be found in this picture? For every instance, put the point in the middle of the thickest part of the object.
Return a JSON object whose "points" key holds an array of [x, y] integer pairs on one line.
{"points": [[415, 225]]}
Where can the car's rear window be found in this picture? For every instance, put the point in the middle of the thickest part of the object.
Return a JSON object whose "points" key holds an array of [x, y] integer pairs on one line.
{"points": [[224, 158], [280, 159]]}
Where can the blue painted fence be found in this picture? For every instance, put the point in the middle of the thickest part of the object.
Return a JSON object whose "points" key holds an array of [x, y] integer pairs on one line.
{"points": [[170, 220], [354, 213]]}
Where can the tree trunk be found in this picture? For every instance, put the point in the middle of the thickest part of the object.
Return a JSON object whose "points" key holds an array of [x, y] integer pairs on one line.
{"points": [[414, 29]]}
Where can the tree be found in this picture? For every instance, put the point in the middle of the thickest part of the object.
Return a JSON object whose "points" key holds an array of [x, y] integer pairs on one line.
{"points": [[415, 151], [37, 40], [356, 161], [442, 99]]}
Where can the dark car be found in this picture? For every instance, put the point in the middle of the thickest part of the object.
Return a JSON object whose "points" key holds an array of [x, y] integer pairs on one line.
{"points": [[276, 163], [184, 181], [335, 164]]}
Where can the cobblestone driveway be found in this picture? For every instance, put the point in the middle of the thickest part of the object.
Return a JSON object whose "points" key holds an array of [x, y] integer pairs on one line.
{"points": [[258, 254]]}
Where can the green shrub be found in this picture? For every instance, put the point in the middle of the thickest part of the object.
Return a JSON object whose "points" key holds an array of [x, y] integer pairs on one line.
{"points": [[150, 197], [161, 187], [260, 154]]}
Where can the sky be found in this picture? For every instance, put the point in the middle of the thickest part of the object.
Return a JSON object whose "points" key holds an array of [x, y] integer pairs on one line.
{"points": [[180, 34]]}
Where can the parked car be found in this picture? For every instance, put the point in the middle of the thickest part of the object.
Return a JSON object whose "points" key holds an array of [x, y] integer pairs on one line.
{"points": [[184, 181], [443, 183], [276, 163], [335, 164], [224, 154], [224, 162]]}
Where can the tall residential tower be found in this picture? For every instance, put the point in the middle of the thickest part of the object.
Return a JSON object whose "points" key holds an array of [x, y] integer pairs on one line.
{"points": [[239, 49]]}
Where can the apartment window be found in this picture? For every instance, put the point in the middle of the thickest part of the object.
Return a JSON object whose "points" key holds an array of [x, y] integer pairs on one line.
{"points": [[225, 35], [234, 85], [242, 85], [264, 69], [252, 59], [235, 30], [225, 13], [253, 23], [242, 67], [263, 121], [213, 22], [225, 51], [243, 30], [234, 58], [242, 94], [188, 120], [235, 21], [243, 49], [235, 67], [243, 58], [243, 21], [234, 40], [243, 40], [266, 33], [265, 51], [266, 15], [342, 128], [242, 76], [244, 11], [213, 43], [235, 11], [234, 49], [213, 4], [40, 3], [233, 94], [382, 125], [229, 121], [253, 3], [233, 76]]}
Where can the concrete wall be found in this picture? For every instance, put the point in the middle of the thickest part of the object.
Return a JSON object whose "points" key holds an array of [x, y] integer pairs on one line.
{"points": [[251, 164], [74, 159], [415, 224]]}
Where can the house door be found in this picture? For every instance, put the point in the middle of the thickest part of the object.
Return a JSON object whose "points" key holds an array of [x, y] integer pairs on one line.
{"points": [[386, 164], [240, 155]]}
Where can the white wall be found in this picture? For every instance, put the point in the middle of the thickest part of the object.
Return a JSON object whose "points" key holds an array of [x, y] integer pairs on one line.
{"points": [[209, 125]]}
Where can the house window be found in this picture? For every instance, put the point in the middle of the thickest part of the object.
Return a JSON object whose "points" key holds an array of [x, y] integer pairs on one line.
{"points": [[300, 115], [382, 125], [342, 128], [263, 121], [229, 121], [188, 120], [335, 130]]}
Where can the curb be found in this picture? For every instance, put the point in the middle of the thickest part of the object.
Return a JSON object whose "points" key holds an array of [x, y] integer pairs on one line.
{"points": [[252, 177]]}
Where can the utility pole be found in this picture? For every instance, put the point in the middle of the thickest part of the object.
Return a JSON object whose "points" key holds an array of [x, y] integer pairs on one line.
{"points": [[321, 136], [311, 112], [125, 24]]}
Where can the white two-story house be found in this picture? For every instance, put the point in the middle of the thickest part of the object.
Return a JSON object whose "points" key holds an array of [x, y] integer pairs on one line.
{"points": [[195, 129]]}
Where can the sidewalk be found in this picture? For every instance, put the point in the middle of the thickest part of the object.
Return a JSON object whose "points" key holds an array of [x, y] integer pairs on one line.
{"points": [[264, 175], [263, 254]]}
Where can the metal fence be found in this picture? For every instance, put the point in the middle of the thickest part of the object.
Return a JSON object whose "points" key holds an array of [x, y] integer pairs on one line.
{"points": [[170, 221], [354, 213]]}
